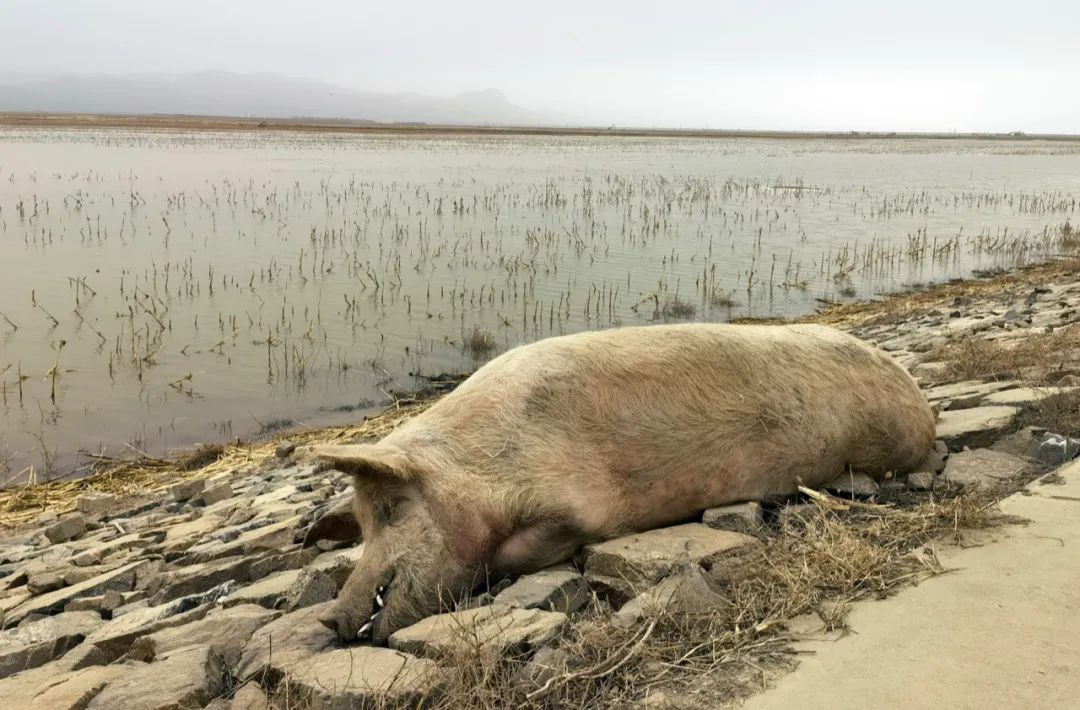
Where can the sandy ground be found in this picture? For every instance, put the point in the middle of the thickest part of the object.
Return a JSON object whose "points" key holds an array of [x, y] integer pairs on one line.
{"points": [[1001, 631]]}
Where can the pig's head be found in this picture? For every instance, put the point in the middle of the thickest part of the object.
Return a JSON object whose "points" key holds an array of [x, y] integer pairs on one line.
{"points": [[413, 561]]}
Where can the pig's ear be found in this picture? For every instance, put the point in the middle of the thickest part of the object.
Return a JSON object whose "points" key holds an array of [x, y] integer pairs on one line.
{"points": [[376, 463]]}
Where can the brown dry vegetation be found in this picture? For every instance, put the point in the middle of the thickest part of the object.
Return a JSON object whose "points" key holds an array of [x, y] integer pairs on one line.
{"points": [[898, 307], [147, 474], [818, 562], [1038, 359]]}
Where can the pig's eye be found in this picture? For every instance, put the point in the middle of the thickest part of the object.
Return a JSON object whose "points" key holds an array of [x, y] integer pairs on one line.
{"points": [[389, 511]]}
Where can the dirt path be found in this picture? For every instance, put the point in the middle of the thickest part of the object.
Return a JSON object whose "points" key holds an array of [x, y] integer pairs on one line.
{"points": [[1002, 631]]}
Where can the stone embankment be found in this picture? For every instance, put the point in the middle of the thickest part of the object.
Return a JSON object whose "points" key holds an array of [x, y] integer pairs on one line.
{"points": [[202, 595]]}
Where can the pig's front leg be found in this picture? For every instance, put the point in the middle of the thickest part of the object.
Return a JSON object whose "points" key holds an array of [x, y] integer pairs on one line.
{"points": [[533, 547]]}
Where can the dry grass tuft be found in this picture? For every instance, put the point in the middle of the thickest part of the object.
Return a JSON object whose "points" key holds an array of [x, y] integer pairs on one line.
{"points": [[478, 342], [1058, 413], [1039, 359], [677, 308], [199, 457], [818, 563]]}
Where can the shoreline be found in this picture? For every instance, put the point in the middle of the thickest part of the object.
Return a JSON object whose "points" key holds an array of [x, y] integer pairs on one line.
{"points": [[20, 505], [350, 126], [215, 567]]}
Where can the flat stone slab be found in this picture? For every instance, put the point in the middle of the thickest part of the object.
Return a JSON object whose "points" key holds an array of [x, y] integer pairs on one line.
{"points": [[226, 630], [55, 601], [311, 586], [196, 578], [982, 467], [739, 517], [267, 592], [976, 427], [558, 589], [971, 391], [1024, 396], [39, 642], [115, 637], [261, 539], [498, 628], [189, 677], [67, 528], [46, 687], [687, 593], [629, 565], [286, 641], [339, 564], [360, 676], [853, 485]]}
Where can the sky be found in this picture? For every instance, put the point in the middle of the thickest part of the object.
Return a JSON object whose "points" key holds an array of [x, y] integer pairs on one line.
{"points": [[959, 65]]}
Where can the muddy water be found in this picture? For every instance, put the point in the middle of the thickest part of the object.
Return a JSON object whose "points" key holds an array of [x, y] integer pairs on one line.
{"points": [[163, 288]]}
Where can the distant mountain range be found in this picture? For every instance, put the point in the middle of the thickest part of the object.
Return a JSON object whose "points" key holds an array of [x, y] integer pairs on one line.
{"points": [[216, 93]]}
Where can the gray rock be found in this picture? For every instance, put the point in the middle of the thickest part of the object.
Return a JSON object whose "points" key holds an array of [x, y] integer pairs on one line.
{"points": [[628, 565], [268, 538], [362, 677], [496, 628], [267, 592], [339, 564], [106, 602], [286, 642], [115, 637], [740, 517], [853, 484], [285, 449], [1024, 396], [292, 560], [215, 494], [226, 630], [100, 551], [250, 696], [1054, 449], [891, 486], [967, 394], [975, 427], [935, 458], [982, 467], [685, 593], [189, 677], [557, 589], [84, 655], [311, 586], [197, 578], [182, 535], [42, 582], [54, 602], [67, 528], [37, 643], [47, 687], [95, 503], [921, 480], [186, 490]]}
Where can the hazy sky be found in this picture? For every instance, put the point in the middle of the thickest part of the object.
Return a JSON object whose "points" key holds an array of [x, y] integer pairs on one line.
{"points": [[795, 64]]}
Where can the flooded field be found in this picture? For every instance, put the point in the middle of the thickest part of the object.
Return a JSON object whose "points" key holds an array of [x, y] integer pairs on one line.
{"points": [[161, 288]]}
